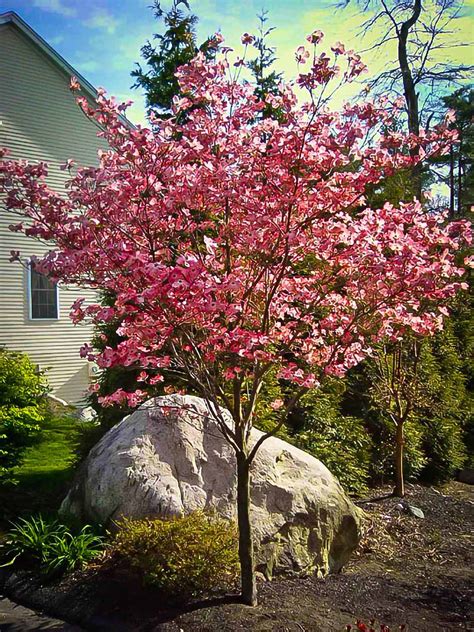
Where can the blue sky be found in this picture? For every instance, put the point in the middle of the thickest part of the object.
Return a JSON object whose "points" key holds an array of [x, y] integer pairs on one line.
{"points": [[102, 38]]}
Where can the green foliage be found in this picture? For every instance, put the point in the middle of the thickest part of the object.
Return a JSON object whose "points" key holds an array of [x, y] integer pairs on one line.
{"points": [[175, 47], [447, 411], [382, 431], [67, 552], [182, 556], [23, 409], [110, 379], [87, 436], [266, 82], [340, 442], [317, 426], [49, 545], [20, 384], [468, 438], [29, 539], [438, 426], [394, 189], [461, 158], [443, 442], [19, 428]]}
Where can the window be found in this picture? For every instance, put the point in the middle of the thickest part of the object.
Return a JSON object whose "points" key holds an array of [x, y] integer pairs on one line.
{"points": [[43, 296]]}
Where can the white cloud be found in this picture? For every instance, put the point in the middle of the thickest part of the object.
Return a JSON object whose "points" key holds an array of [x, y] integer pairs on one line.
{"points": [[55, 6], [54, 41], [102, 20], [91, 65]]}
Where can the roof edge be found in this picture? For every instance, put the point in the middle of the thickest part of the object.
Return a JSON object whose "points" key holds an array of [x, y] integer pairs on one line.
{"points": [[11, 17]]}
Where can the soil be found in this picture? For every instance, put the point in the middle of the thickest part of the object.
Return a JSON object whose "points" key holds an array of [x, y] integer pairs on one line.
{"points": [[408, 571], [15, 618]]}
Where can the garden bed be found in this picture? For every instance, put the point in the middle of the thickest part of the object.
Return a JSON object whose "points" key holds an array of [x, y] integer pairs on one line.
{"points": [[408, 570]]}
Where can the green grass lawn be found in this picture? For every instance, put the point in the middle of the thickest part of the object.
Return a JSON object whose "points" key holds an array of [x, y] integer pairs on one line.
{"points": [[45, 474]]}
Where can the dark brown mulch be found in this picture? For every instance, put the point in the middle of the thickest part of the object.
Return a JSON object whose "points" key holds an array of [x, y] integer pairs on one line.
{"points": [[408, 570], [15, 618]]}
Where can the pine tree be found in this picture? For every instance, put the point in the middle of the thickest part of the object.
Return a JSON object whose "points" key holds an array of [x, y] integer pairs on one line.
{"points": [[461, 156], [175, 47], [266, 81]]}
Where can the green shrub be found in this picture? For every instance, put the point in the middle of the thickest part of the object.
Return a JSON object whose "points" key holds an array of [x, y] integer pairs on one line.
{"points": [[439, 435], [443, 441], [445, 416], [343, 445], [340, 442], [181, 556], [87, 435], [30, 538], [20, 383], [67, 552], [382, 464], [23, 409], [468, 437], [50, 545]]}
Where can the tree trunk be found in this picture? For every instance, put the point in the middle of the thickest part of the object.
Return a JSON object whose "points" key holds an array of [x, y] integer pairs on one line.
{"points": [[246, 552], [460, 180], [399, 480], [409, 89], [451, 182]]}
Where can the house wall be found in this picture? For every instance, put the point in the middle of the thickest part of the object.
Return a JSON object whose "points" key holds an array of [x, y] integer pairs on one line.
{"points": [[40, 121]]}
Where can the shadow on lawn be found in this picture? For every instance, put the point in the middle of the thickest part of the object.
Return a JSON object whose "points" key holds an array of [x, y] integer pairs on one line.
{"points": [[45, 474]]}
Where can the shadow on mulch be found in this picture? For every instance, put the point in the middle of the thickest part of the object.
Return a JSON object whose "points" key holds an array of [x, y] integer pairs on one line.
{"points": [[410, 571]]}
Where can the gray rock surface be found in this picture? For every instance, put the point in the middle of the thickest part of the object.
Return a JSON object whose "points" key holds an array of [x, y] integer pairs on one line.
{"points": [[169, 458], [414, 511], [86, 414]]}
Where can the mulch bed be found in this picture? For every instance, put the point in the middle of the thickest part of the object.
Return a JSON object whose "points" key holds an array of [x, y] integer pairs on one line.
{"points": [[408, 571]]}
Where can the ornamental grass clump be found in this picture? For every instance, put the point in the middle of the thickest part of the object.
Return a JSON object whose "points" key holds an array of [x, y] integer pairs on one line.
{"points": [[181, 556], [46, 544]]}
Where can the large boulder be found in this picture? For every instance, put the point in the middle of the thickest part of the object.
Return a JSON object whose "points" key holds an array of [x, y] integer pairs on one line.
{"points": [[169, 458]]}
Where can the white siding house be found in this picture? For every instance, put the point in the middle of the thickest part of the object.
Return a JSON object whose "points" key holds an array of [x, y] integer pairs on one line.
{"points": [[41, 121]]}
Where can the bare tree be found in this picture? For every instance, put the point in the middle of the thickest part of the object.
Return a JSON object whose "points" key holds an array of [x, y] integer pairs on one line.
{"points": [[425, 34]]}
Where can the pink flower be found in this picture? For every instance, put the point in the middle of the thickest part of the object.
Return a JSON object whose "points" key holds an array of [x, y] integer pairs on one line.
{"points": [[315, 37], [85, 350], [301, 55], [68, 165], [276, 404], [338, 48], [156, 379], [74, 84], [247, 39]]}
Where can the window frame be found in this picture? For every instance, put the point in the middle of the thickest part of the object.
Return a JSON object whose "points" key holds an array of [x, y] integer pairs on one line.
{"points": [[29, 292]]}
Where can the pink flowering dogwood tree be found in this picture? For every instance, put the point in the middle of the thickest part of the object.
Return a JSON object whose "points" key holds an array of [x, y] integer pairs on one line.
{"points": [[236, 245]]}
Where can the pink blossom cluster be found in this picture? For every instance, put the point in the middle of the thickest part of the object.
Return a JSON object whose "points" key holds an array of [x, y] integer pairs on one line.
{"points": [[238, 242]]}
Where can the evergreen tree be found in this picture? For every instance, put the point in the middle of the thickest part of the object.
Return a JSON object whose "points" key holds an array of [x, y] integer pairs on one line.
{"points": [[266, 80], [175, 47], [461, 157]]}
